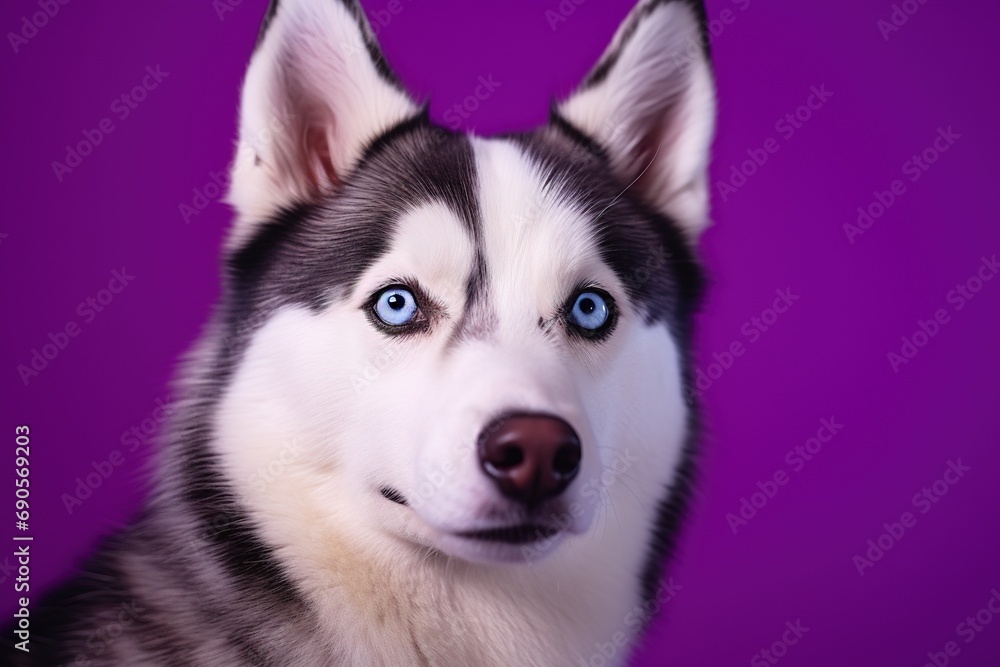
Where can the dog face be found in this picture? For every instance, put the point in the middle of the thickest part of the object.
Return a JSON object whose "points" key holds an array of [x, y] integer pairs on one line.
{"points": [[446, 343]]}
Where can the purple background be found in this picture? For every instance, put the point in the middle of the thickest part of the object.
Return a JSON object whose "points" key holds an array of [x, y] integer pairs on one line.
{"points": [[784, 228]]}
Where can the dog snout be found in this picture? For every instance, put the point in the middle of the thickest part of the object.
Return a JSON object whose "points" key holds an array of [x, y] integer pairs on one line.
{"points": [[530, 458]]}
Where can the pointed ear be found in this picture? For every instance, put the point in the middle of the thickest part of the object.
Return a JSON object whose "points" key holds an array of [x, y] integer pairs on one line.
{"points": [[650, 104], [317, 93]]}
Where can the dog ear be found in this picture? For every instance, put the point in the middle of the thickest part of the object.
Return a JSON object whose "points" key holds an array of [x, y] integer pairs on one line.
{"points": [[317, 92], [650, 104]]}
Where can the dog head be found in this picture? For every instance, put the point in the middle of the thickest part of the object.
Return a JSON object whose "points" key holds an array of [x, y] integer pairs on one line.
{"points": [[474, 346]]}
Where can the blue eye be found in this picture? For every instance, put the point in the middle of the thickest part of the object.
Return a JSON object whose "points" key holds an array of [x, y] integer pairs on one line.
{"points": [[591, 311], [396, 306]]}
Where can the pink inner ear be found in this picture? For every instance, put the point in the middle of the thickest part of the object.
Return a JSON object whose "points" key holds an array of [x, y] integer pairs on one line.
{"points": [[312, 161], [652, 147], [317, 158]]}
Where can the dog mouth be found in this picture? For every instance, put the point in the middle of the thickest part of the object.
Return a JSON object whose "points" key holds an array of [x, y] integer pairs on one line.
{"points": [[527, 533], [515, 534]]}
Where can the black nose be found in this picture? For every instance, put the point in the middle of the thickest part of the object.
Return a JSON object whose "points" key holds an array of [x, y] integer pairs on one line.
{"points": [[530, 457]]}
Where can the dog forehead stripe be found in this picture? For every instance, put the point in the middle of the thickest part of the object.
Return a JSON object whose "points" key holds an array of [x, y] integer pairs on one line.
{"points": [[307, 255]]}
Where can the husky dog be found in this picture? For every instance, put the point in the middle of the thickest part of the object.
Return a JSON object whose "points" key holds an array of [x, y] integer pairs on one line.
{"points": [[440, 416]]}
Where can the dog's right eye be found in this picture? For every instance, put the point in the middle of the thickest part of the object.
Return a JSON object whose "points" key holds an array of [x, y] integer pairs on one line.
{"points": [[396, 306], [591, 313]]}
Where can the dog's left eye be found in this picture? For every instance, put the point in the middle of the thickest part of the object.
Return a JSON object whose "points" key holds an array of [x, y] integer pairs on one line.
{"points": [[396, 306], [592, 312]]}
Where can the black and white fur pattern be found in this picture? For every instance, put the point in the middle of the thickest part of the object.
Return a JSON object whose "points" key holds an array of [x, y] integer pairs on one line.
{"points": [[312, 486]]}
